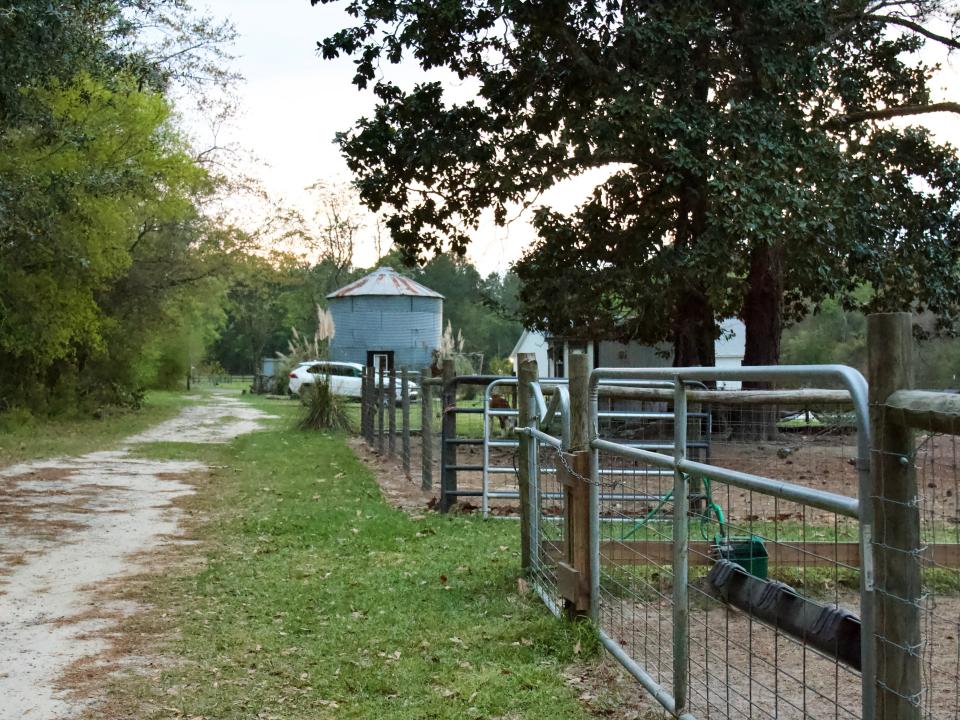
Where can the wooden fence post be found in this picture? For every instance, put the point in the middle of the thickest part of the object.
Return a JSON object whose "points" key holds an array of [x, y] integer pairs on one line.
{"points": [[366, 406], [380, 406], [526, 376], [896, 531], [579, 401], [405, 421], [574, 575], [426, 430], [392, 400], [363, 403]]}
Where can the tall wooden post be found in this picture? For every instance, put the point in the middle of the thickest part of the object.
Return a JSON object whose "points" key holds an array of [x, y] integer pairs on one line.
{"points": [[574, 574], [896, 531], [579, 401], [392, 407], [526, 376], [426, 430], [405, 421], [380, 405], [363, 403], [366, 406], [448, 432]]}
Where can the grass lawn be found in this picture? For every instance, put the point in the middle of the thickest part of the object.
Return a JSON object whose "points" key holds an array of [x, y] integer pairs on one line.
{"points": [[23, 437], [318, 600]]}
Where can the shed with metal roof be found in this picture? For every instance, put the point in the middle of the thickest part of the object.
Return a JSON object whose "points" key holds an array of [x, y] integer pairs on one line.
{"points": [[385, 314]]}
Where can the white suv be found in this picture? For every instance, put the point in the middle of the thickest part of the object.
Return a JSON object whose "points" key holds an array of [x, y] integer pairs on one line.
{"points": [[346, 378]]}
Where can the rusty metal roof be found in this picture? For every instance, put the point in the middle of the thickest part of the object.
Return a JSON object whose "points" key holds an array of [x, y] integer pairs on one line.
{"points": [[384, 281]]}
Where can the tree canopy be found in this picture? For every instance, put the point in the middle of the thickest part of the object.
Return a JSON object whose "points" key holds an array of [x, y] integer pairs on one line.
{"points": [[751, 167], [109, 270]]}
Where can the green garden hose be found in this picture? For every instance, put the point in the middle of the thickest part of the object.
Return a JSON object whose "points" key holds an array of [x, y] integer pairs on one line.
{"points": [[712, 508]]}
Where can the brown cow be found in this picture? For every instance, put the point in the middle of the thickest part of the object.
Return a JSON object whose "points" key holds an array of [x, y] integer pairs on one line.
{"points": [[507, 422]]}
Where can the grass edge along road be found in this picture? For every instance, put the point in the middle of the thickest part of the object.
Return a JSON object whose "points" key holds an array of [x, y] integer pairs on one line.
{"points": [[24, 437], [316, 599]]}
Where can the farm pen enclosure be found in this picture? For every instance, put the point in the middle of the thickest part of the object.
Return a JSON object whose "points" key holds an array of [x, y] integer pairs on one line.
{"points": [[763, 553]]}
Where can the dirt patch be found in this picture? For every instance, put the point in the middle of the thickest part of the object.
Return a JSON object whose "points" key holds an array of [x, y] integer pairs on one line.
{"points": [[408, 494], [74, 527], [609, 691], [398, 490]]}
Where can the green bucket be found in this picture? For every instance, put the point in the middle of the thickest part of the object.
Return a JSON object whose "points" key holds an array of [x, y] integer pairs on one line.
{"points": [[748, 552]]}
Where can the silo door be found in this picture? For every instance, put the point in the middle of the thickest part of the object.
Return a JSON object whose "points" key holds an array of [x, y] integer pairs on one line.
{"points": [[376, 358]]}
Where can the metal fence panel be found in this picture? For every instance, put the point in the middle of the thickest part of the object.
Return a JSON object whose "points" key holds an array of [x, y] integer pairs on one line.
{"points": [[547, 524], [743, 598], [936, 648]]}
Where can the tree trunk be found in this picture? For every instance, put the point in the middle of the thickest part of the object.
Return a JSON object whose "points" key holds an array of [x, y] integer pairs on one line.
{"points": [[763, 317], [694, 330], [694, 325]]}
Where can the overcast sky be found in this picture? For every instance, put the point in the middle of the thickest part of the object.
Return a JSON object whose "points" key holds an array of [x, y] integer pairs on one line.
{"points": [[293, 102]]}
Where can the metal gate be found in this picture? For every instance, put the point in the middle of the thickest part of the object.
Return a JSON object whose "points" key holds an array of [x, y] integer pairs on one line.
{"points": [[557, 410], [750, 596]]}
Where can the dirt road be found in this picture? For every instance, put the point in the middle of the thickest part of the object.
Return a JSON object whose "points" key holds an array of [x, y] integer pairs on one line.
{"points": [[68, 526]]}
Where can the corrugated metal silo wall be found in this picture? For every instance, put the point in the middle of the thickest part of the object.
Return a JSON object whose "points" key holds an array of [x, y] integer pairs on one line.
{"points": [[409, 326]]}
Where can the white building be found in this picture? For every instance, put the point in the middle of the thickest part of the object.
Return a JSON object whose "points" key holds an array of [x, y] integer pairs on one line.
{"points": [[553, 354]]}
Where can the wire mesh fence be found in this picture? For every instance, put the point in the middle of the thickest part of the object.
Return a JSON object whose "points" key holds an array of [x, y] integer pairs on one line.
{"points": [[548, 528], [918, 587], [636, 575], [744, 598], [746, 659], [938, 482]]}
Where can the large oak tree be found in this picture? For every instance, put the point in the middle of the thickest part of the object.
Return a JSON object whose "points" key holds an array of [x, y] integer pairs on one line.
{"points": [[752, 167]]}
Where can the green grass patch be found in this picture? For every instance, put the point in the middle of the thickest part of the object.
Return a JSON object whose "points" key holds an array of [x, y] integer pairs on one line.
{"points": [[319, 600], [24, 437]]}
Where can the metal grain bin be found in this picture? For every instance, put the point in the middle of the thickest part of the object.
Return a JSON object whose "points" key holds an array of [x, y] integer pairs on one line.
{"points": [[386, 314]]}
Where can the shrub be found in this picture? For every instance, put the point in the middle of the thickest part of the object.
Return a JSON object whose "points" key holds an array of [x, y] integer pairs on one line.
{"points": [[15, 419], [322, 409]]}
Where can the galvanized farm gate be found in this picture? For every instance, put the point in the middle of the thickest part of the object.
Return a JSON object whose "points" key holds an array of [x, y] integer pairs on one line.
{"points": [[768, 611], [551, 411]]}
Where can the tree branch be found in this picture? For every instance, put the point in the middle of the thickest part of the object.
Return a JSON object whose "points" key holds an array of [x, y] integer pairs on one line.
{"points": [[892, 112], [915, 27]]}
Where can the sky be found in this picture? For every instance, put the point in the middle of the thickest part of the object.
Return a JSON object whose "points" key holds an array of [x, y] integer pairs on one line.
{"points": [[292, 103]]}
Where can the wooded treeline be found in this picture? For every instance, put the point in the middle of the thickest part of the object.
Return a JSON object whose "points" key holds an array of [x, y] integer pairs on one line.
{"points": [[110, 270], [118, 271], [268, 299]]}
